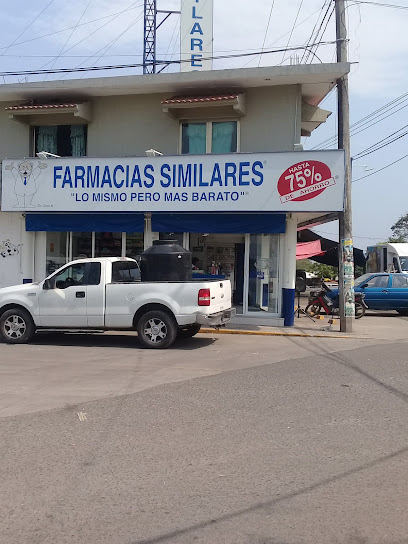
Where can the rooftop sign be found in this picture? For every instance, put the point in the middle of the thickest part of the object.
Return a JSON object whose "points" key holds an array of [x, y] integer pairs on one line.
{"points": [[196, 35], [238, 182]]}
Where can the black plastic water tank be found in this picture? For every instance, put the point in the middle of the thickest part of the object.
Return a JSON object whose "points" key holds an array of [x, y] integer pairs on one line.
{"points": [[166, 260]]}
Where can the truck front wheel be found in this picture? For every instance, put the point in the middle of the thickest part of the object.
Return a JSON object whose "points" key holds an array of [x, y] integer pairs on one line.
{"points": [[16, 326], [157, 330]]}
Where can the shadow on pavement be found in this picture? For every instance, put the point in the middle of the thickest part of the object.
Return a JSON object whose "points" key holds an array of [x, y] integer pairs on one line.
{"points": [[112, 341], [268, 505]]}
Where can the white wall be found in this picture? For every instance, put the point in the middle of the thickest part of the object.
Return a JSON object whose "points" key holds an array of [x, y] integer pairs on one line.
{"points": [[16, 250]]}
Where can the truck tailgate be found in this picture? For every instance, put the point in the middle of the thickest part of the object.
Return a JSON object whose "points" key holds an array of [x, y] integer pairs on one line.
{"points": [[220, 296]]}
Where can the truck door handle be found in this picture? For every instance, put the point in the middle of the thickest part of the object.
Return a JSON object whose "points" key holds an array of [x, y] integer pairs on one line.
{"points": [[384, 291], [80, 294]]}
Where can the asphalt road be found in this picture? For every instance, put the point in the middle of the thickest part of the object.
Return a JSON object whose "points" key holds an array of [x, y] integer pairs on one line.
{"points": [[268, 448]]}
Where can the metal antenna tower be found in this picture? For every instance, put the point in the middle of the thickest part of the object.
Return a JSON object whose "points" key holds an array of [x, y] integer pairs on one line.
{"points": [[150, 34]]}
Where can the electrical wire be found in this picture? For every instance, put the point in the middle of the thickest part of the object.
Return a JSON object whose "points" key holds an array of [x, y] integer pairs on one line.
{"points": [[368, 118], [314, 28], [26, 28], [381, 169], [354, 133], [120, 66], [266, 31], [396, 6], [384, 142], [323, 31], [115, 40], [69, 37], [284, 35], [14, 44], [291, 32], [132, 6]]}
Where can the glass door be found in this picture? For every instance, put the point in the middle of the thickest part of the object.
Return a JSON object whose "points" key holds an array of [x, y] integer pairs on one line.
{"points": [[262, 273]]}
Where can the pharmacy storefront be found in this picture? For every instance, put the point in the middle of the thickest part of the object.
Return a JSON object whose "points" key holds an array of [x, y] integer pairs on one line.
{"points": [[237, 214]]}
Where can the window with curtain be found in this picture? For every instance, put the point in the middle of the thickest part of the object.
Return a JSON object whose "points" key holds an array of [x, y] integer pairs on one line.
{"points": [[224, 137], [194, 138], [63, 140], [209, 137]]}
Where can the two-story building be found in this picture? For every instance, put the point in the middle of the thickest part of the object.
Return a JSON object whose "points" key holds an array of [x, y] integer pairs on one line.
{"points": [[232, 183]]}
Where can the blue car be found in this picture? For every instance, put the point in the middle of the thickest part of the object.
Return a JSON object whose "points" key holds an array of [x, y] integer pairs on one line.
{"points": [[382, 291]]}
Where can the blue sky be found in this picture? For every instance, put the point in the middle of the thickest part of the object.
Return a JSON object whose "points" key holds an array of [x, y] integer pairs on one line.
{"points": [[378, 50]]}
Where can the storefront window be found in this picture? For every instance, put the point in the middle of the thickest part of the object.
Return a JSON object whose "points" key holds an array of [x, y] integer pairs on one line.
{"points": [[108, 244], [222, 256], [134, 244], [56, 250], [81, 245], [263, 273]]}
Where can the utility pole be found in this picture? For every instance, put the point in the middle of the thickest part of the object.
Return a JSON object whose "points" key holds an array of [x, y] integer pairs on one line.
{"points": [[346, 260]]}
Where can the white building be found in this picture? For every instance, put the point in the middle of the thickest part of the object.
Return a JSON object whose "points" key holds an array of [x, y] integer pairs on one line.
{"points": [[229, 131]]}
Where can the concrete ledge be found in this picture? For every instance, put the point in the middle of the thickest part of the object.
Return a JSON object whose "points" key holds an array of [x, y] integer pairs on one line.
{"points": [[275, 333]]}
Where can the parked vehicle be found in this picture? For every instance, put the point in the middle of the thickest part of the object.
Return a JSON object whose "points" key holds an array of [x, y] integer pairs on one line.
{"points": [[106, 294], [383, 291], [327, 300], [387, 258]]}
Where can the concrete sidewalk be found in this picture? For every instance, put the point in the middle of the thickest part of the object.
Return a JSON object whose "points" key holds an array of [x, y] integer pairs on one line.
{"points": [[374, 325]]}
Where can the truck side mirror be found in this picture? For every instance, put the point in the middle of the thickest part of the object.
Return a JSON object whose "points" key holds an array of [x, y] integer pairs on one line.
{"points": [[364, 285]]}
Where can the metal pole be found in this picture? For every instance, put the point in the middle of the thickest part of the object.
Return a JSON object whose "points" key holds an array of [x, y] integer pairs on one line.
{"points": [[346, 264]]}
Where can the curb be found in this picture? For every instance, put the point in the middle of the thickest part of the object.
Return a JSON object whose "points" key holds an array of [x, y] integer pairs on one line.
{"points": [[273, 333]]}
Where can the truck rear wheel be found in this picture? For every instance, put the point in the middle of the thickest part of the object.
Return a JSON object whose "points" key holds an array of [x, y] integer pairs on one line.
{"points": [[157, 329], [188, 331], [16, 326]]}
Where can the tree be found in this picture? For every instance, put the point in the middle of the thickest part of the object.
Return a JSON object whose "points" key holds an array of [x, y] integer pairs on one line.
{"points": [[400, 230], [324, 271]]}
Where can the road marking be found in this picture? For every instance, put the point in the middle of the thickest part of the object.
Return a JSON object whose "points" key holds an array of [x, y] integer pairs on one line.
{"points": [[82, 416]]}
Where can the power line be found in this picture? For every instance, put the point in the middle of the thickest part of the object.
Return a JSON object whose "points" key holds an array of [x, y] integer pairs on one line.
{"points": [[293, 28], [324, 30], [313, 31], [384, 143], [286, 33], [26, 28], [121, 66], [69, 37], [112, 42], [354, 133], [368, 118], [381, 169], [15, 43], [396, 6], [132, 6], [266, 31]]}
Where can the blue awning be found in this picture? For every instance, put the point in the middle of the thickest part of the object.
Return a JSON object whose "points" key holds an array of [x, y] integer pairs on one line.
{"points": [[85, 222], [227, 223]]}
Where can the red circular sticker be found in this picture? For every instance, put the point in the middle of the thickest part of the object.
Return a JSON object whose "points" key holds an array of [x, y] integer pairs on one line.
{"points": [[304, 180]]}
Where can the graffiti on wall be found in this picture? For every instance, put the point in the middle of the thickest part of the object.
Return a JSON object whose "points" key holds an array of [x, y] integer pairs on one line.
{"points": [[8, 249]]}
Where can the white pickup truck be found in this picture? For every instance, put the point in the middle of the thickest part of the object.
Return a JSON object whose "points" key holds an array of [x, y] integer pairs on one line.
{"points": [[107, 294]]}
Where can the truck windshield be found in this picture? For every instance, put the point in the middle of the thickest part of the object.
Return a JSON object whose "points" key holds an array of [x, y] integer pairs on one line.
{"points": [[404, 264]]}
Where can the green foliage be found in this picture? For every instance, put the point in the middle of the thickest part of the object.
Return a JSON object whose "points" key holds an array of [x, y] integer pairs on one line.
{"points": [[324, 271], [320, 270], [304, 264], [400, 230]]}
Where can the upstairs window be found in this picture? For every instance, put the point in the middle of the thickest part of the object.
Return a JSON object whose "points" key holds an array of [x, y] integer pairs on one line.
{"points": [[63, 140], [209, 137]]}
